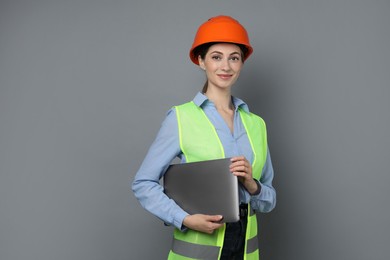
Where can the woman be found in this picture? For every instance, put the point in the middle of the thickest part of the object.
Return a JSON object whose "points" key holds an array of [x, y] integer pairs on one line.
{"points": [[220, 48]]}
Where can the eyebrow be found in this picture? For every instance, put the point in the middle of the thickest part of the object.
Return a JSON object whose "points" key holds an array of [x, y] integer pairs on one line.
{"points": [[218, 52]]}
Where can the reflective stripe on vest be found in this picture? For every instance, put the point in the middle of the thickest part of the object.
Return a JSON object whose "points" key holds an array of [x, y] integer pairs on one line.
{"points": [[195, 251], [199, 141]]}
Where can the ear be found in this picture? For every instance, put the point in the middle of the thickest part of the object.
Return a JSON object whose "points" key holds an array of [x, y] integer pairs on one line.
{"points": [[201, 63]]}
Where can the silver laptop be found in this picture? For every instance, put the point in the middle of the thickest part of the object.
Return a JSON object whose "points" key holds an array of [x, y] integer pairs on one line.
{"points": [[206, 187]]}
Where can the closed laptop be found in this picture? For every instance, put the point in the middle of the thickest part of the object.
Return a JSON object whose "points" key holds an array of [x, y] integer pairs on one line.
{"points": [[206, 187]]}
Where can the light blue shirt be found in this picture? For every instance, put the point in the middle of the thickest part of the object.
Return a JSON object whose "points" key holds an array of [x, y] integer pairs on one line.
{"points": [[146, 185]]}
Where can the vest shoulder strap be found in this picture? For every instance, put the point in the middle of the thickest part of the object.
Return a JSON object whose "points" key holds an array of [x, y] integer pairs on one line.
{"points": [[257, 134], [198, 138]]}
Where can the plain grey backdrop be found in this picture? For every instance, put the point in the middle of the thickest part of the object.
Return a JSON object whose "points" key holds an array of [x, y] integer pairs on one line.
{"points": [[85, 85]]}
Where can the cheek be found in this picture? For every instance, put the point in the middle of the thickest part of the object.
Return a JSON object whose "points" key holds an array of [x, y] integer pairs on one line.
{"points": [[211, 68], [237, 67]]}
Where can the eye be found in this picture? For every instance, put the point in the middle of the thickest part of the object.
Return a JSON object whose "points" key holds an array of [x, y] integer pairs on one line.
{"points": [[216, 57], [235, 58]]}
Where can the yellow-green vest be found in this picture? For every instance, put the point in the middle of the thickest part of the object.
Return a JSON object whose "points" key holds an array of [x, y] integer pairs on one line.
{"points": [[198, 142]]}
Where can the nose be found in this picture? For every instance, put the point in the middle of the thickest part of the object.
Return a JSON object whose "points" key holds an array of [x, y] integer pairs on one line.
{"points": [[225, 65]]}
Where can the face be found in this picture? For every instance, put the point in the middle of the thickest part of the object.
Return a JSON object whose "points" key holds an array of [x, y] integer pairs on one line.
{"points": [[222, 64]]}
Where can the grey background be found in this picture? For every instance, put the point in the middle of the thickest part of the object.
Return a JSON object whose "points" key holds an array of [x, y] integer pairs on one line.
{"points": [[84, 86]]}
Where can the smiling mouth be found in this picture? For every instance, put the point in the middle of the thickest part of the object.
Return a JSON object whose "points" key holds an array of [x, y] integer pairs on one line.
{"points": [[224, 76]]}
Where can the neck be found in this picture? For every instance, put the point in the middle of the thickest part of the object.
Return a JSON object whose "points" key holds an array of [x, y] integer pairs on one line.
{"points": [[221, 99]]}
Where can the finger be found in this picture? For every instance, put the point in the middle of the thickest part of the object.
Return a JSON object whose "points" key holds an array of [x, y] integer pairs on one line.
{"points": [[239, 162], [238, 165], [212, 227], [240, 175], [237, 158], [214, 218], [240, 168], [216, 226]]}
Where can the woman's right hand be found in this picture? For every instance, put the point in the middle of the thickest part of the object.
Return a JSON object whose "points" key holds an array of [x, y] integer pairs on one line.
{"points": [[203, 223]]}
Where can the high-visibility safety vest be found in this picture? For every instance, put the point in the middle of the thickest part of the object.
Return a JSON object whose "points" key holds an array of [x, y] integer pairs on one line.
{"points": [[198, 142]]}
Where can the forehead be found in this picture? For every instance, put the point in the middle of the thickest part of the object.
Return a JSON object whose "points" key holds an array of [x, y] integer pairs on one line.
{"points": [[226, 48]]}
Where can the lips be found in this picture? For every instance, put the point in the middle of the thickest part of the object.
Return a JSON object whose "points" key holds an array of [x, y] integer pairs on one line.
{"points": [[225, 76]]}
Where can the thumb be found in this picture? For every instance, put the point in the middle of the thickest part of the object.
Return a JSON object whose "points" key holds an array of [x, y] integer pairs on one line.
{"points": [[215, 218]]}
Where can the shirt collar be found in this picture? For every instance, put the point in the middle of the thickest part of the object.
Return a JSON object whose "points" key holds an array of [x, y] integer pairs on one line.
{"points": [[201, 100]]}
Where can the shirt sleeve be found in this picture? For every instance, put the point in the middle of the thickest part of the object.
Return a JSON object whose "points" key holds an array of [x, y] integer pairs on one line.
{"points": [[265, 201], [146, 184]]}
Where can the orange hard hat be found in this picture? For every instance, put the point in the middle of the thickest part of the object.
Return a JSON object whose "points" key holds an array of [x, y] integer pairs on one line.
{"points": [[221, 29]]}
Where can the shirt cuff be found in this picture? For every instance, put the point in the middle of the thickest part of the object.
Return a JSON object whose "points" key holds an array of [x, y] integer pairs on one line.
{"points": [[178, 221], [257, 192]]}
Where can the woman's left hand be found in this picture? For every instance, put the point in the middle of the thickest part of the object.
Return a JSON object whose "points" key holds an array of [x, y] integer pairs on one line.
{"points": [[242, 168]]}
